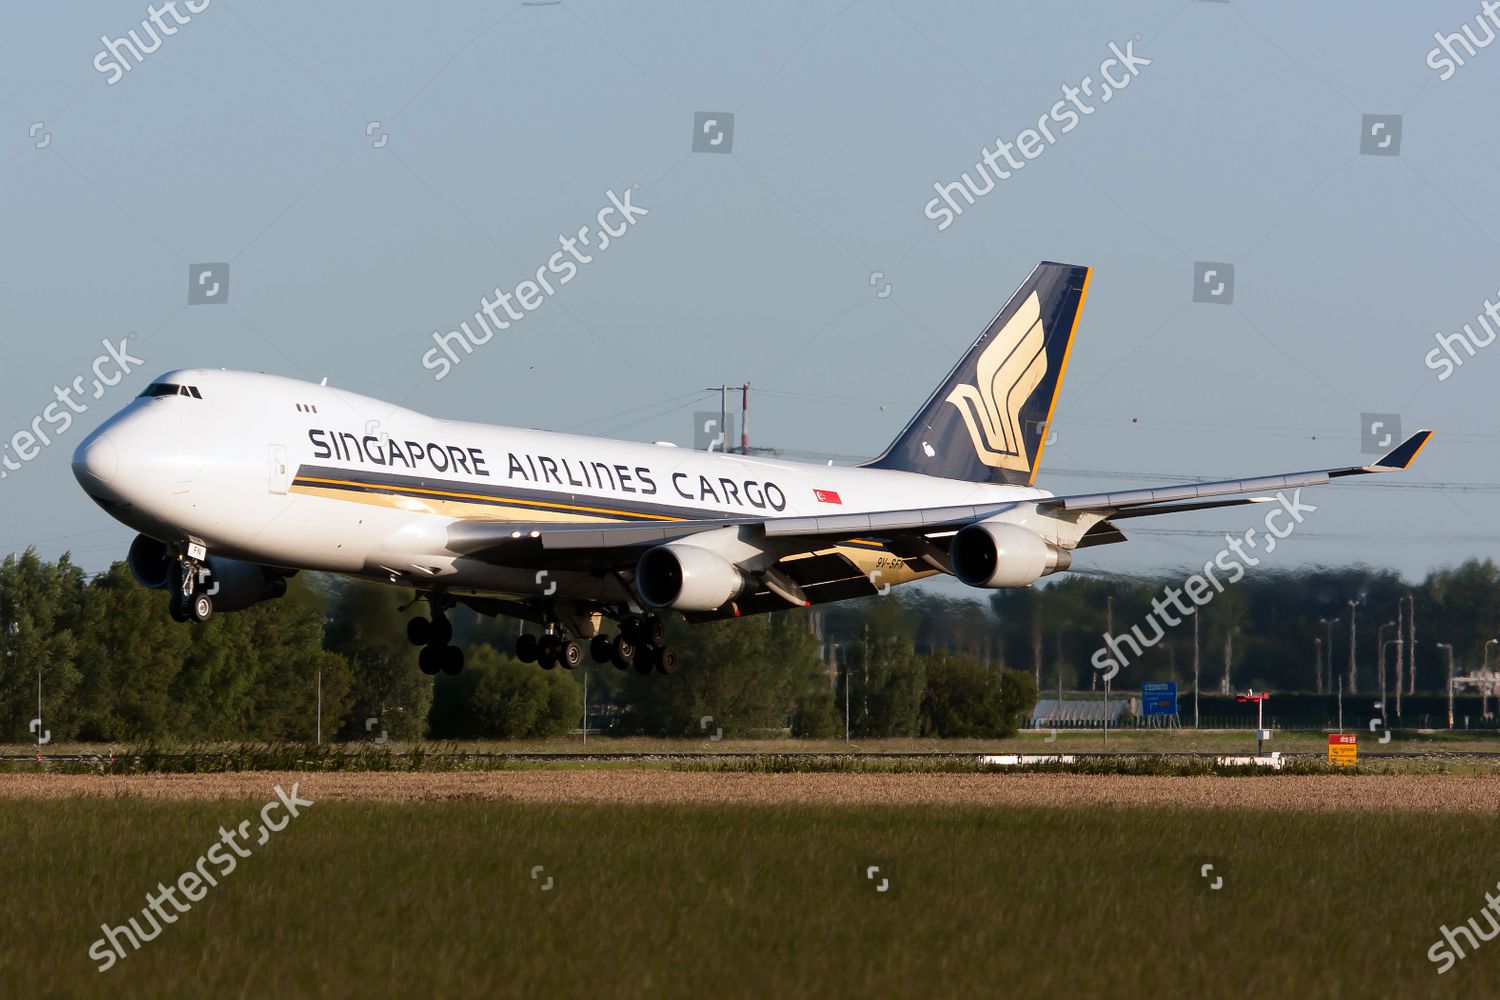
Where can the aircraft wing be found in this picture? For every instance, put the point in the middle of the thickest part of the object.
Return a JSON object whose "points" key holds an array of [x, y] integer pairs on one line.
{"points": [[507, 541], [1198, 496]]}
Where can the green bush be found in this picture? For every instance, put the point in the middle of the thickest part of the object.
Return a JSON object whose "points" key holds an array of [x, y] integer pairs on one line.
{"points": [[497, 697]]}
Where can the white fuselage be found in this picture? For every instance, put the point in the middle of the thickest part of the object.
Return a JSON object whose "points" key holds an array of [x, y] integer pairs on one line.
{"points": [[296, 475]]}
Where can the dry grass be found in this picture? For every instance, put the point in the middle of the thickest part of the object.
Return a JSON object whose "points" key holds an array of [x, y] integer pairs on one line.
{"points": [[1299, 793]]}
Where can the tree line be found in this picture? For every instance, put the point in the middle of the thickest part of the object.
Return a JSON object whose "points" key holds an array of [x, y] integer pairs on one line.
{"points": [[1275, 631], [331, 659], [114, 667]]}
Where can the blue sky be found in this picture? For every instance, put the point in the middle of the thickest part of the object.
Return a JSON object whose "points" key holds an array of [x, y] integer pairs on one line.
{"points": [[246, 138]]}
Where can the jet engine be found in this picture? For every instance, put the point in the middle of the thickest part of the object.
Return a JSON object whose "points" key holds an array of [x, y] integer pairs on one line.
{"points": [[686, 578], [149, 563], [995, 555]]}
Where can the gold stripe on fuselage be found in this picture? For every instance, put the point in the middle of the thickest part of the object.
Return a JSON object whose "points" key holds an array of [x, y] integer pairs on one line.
{"points": [[867, 556], [366, 493]]}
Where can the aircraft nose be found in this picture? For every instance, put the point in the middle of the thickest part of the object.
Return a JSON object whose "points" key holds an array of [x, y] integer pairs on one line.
{"points": [[96, 459]]}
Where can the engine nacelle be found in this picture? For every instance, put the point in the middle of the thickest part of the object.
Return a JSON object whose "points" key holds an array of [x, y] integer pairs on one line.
{"points": [[233, 585], [149, 563], [994, 555], [686, 578]]}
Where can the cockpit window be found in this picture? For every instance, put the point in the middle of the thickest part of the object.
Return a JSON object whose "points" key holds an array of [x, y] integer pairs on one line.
{"points": [[170, 389]]}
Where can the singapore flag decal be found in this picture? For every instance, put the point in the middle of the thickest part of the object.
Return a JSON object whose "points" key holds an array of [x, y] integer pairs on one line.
{"points": [[828, 496]]}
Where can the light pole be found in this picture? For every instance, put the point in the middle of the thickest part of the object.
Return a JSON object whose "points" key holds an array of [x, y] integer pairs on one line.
{"points": [[1484, 705], [327, 624], [1329, 623], [845, 658], [1353, 678], [1110, 628], [1382, 642], [1448, 648], [1410, 676], [1318, 662], [1260, 717], [1401, 626], [1196, 616]]}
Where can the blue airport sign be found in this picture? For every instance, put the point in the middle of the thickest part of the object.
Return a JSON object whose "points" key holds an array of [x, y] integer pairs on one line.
{"points": [[1159, 698]]}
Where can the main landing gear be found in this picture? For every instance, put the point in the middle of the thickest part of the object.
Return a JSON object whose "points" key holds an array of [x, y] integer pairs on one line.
{"points": [[641, 644], [435, 636], [550, 649]]}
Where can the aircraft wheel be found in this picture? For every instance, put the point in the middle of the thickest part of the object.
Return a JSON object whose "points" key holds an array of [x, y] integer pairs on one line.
{"points": [[202, 608], [571, 655], [666, 660], [602, 649], [430, 660], [526, 649], [452, 661], [654, 631], [630, 628], [177, 608], [646, 660], [624, 653], [440, 633], [418, 630], [546, 660]]}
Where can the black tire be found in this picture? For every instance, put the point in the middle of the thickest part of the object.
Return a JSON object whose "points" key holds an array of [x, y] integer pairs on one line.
{"points": [[646, 660], [201, 609], [666, 660], [452, 661], [654, 631], [418, 630], [526, 649], [177, 608], [571, 655], [630, 628], [546, 660], [624, 654], [441, 631], [602, 649], [430, 660]]}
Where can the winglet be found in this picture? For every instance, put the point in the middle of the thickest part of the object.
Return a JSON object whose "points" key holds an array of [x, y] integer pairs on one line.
{"points": [[1404, 455]]}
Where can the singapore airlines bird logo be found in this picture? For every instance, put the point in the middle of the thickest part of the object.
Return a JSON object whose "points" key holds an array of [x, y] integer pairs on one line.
{"points": [[1008, 372]]}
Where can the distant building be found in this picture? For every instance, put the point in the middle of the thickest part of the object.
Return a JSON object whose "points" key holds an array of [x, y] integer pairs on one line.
{"points": [[1082, 713]]}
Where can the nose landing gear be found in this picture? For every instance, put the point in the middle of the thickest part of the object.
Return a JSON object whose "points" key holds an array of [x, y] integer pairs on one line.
{"points": [[192, 600]]}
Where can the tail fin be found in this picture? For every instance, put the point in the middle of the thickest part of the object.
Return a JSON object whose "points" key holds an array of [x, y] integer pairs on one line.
{"points": [[988, 422]]}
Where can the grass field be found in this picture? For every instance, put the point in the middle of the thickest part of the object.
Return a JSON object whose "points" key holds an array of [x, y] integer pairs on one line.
{"points": [[363, 898]]}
